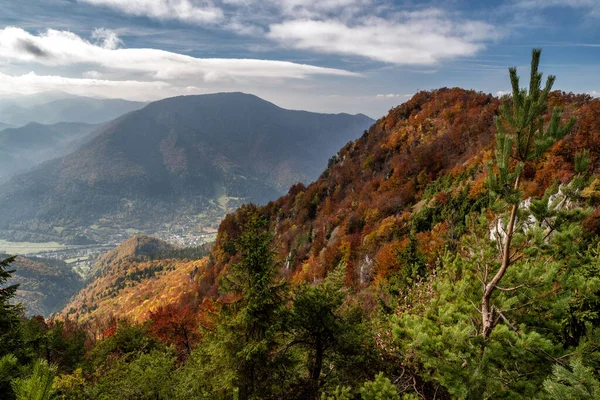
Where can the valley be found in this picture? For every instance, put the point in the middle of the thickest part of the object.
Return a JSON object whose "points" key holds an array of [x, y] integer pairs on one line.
{"points": [[172, 170]]}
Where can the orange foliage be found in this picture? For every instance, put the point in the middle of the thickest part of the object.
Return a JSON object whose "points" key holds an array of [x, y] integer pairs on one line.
{"points": [[176, 325]]}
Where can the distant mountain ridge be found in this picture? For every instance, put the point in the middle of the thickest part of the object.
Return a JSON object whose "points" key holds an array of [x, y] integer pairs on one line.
{"points": [[72, 109], [24, 147], [188, 158]]}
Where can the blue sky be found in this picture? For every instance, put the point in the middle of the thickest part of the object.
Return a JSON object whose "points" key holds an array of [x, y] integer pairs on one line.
{"points": [[321, 55]]}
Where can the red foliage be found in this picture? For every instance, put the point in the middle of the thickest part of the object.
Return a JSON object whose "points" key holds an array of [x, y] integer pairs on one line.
{"points": [[108, 332], [176, 325]]}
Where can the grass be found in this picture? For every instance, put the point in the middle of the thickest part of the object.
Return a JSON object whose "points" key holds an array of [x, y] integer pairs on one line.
{"points": [[28, 247]]}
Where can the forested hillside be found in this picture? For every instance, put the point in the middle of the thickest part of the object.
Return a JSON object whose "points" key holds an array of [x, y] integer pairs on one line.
{"points": [[182, 162], [451, 252], [137, 277], [27, 146], [45, 285]]}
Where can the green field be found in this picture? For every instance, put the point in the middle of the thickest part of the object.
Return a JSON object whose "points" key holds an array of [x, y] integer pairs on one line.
{"points": [[28, 247]]}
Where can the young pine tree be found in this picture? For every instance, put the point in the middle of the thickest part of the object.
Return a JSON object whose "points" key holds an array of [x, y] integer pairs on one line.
{"points": [[574, 383], [38, 386], [522, 137]]}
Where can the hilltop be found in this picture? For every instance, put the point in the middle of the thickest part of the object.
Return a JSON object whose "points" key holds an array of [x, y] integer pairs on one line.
{"points": [[46, 110], [404, 188], [137, 277], [378, 266]]}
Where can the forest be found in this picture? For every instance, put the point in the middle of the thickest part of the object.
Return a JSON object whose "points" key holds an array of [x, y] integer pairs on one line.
{"points": [[451, 252]]}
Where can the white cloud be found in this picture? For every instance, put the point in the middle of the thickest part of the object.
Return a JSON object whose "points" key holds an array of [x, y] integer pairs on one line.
{"points": [[501, 93], [102, 69], [317, 8], [32, 83], [373, 29], [414, 38], [192, 11], [107, 38], [92, 74], [61, 48], [557, 3]]}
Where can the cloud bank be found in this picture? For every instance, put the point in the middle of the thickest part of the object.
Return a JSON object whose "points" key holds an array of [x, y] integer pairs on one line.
{"points": [[109, 66], [419, 38], [372, 29]]}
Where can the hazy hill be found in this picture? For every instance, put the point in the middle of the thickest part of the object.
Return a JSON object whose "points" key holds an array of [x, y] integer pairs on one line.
{"points": [[176, 160], [72, 109], [45, 285], [4, 126], [30, 145]]}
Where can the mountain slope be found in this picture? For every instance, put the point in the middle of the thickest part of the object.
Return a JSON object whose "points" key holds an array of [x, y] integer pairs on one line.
{"points": [[138, 276], [44, 285], [24, 147], [400, 193], [73, 109], [397, 195], [180, 161]]}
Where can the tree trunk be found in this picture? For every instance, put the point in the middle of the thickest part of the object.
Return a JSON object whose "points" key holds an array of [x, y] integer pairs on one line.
{"points": [[487, 311], [315, 372]]}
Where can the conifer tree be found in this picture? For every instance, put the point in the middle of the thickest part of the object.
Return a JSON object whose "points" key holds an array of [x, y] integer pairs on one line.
{"points": [[39, 385], [380, 388], [9, 313], [522, 137], [256, 318], [576, 383], [239, 349]]}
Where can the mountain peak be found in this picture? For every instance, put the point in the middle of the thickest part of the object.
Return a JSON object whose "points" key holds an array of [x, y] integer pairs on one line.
{"points": [[201, 155]]}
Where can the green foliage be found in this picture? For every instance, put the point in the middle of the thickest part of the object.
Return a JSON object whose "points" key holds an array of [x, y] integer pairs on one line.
{"points": [[8, 371], [331, 333], [38, 386], [72, 386], [128, 341], [315, 322], [575, 383], [7, 363], [240, 352], [10, 315], [340, 393], [379, 389], [527, 139], [148, 377]]}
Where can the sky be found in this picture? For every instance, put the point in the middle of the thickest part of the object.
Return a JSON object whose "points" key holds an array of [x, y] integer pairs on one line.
{"points": [[355, 56]]}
